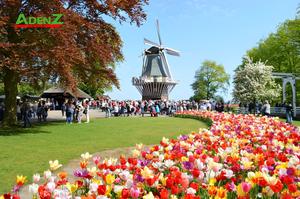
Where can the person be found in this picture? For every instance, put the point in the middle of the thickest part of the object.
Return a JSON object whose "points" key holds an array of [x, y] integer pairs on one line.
{"points": [[39, 112], [122, 109], [128, 108], [19, 114], [87, 111], [266, 109], [45, 109], [76, 111], [108, 110], [153, 111], [63, 109], [80, 112], [219, 107], [289, 112], [116, 110], [25, 109], [157, 109], [53, 104], [143, 107], [34, 109], [69, 112]]}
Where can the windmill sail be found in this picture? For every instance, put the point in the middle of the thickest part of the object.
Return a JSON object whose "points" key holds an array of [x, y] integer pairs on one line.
{"points": [[158, 32], [151, 43]]}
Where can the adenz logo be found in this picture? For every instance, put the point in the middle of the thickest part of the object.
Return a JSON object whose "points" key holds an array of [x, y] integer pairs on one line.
{"points": [[39, 22]]}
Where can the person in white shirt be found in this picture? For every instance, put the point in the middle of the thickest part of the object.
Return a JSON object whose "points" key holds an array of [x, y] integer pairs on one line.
{"points": [[80, 113], [86, 111], [116, 110], [266, 108]]}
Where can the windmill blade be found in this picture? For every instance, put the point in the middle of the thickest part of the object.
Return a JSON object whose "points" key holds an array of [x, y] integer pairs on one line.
{"points": [[158, 32], [173, 52], [151, 43], [141, 55]]}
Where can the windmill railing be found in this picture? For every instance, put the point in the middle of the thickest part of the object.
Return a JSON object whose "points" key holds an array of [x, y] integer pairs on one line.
{"points": [[152, 79]]}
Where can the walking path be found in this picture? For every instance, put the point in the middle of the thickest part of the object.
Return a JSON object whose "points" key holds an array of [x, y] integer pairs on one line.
{"points": [[57, 115], [54, 116]]}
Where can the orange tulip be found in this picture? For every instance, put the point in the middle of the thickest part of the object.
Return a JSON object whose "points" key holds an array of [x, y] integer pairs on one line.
{"points": [[62, 175]]}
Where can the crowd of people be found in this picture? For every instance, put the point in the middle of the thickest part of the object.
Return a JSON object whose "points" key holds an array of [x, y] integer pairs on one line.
{"points": [[155, 107], [72, 110], [27, 110], [75, 110], [285, 108]]}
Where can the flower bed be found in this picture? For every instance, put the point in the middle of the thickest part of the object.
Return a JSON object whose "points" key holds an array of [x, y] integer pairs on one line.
{"points": [[241, 156]]}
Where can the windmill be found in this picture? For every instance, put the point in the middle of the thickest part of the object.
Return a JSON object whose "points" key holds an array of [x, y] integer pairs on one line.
{"points": [[156, 81]]}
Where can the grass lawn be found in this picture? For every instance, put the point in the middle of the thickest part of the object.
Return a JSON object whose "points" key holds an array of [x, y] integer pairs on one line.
{"points": [[296, 123], [27, 151]]}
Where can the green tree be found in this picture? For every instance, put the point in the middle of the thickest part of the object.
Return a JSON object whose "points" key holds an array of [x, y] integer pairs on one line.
{"points": [[254, 83], [210, 78]]}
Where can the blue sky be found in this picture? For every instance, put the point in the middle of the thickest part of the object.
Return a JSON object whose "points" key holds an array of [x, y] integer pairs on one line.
{"points": [[219, 30]]}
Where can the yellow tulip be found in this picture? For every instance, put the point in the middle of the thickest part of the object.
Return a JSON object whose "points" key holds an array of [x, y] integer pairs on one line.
{"points": [[147, 173], [221, 193], [54, 165], [184, 159], [109, 179], [212, 181], [139, 146], [173, 197], [108, 190], [72, 187], [86, 156], [21, 180], [240, 191], [136, 153], [149, 196]]}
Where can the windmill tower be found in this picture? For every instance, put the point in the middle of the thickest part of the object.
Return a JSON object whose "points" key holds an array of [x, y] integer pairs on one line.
{"points": [[156, 81]]}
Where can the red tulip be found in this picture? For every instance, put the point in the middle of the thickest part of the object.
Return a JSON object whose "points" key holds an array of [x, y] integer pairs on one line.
{"points": [[125, 193], [174, 189], [292, 188], [164, 194], [196, 173], [194, 185], [277, 187], [15, 196], [101, 189]]}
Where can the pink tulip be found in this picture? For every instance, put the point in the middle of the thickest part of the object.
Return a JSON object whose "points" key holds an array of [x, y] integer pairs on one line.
{"points": [[246, 187], [134, 192]]}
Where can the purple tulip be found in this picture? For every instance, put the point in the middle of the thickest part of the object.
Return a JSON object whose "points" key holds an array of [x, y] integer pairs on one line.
{"points": [[81, 173], [188, 165]]}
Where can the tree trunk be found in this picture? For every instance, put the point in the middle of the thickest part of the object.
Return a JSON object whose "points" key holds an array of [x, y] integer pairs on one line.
{"points": [[207, 91], [10, 102]]}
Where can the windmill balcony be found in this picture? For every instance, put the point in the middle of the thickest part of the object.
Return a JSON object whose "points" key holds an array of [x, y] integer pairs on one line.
{"points": [[142, 80]]}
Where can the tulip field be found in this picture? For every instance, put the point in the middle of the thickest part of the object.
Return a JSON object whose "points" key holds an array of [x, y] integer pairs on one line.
{"points": [[240, 156]]}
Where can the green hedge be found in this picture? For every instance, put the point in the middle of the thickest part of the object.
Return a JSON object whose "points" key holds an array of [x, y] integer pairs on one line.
{"points": [[206, 120]]}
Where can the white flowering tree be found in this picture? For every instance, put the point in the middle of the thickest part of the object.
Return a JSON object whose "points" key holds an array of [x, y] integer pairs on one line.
{"points": [[253, 82]]}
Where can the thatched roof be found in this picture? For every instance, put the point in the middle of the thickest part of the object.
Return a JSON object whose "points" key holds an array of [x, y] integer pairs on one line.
{"points": [[103, 97], [58, 91]]}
